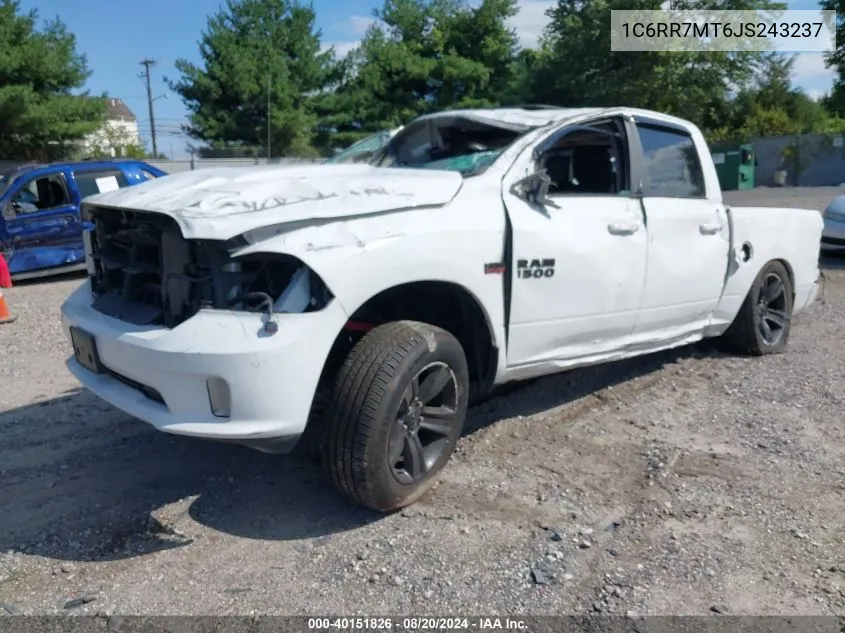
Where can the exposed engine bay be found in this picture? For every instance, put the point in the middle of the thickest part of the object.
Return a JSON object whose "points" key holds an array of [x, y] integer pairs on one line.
{"points": [[146, 273]]}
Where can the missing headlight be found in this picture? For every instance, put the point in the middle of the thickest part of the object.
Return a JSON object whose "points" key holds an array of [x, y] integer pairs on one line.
{"points": [[270, 283]]}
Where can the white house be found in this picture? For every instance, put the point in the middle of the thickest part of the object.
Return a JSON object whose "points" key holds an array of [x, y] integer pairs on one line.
{"points": [[119, 130]]}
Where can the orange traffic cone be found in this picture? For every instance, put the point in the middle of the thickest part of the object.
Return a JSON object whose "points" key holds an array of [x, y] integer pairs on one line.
{"points": [[5, 315], [5, 276]]}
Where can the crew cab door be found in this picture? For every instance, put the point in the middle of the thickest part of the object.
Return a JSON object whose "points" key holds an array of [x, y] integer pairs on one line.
{"points": [[42, 224], [688, 232], [579, 257]]}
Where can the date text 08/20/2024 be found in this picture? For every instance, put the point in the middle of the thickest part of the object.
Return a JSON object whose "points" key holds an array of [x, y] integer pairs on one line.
{"points": [[716, 30], [415, 624]]}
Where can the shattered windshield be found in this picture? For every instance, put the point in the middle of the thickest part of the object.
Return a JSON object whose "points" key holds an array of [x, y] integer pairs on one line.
{"points": [[458, 144], [363, 150], [465, 164]]}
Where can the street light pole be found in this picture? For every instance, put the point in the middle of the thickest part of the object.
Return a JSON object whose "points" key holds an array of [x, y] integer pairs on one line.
{"points": [[146, 63], [269, 84]]}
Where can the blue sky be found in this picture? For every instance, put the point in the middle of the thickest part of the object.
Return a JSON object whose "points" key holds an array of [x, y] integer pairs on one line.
{"points": [[115, 36]]}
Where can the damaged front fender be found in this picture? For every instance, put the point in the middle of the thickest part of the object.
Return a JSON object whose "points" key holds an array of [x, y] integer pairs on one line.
{"points": [[357, 260]]}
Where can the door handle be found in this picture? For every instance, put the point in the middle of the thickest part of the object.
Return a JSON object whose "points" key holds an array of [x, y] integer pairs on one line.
{"points": [[623, 228], [709, 229]]}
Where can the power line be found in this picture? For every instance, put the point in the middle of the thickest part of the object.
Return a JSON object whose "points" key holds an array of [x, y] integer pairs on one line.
{"points": [[146, 63]]}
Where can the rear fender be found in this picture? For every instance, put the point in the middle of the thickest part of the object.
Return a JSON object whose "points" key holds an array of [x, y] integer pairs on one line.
{"points": [[760, 235]]}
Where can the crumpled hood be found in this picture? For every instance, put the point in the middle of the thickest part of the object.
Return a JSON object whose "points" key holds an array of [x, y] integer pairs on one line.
{"points": [[223, 202]]}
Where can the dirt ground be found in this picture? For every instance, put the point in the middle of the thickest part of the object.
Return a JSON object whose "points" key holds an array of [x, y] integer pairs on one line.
{"points": [[684, 483]]}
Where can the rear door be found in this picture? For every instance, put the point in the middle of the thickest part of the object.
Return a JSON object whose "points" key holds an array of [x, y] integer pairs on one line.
{"points": [[43, 229], [688, 233]]}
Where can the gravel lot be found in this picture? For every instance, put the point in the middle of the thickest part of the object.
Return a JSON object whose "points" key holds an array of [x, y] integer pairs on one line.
{"points": [[677, 484]]}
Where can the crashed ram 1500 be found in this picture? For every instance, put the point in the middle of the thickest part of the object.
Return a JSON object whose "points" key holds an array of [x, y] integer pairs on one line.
{"points": [[357, 310]]}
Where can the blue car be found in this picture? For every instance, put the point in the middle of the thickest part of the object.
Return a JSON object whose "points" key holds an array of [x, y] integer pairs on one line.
{"points": [[40, 225]]}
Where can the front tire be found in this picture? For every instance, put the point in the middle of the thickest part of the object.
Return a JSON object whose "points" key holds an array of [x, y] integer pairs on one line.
{"points": [[397, 409], [763, 323]]}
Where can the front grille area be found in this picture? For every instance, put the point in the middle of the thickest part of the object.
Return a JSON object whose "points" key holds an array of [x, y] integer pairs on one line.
{"points": [[146, 273], [144, 270]]}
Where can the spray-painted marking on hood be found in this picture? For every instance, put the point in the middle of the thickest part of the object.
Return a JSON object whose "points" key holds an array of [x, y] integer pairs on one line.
{"points": [[236, 204]]}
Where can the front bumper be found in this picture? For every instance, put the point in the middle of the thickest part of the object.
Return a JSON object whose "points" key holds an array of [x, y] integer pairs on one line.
{"points": [[159, 375]]}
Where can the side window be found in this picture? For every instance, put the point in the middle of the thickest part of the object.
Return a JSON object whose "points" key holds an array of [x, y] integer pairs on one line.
{"points": [[100, 181], [148, 174], [672, 162], [38, 194], [587, 161]]}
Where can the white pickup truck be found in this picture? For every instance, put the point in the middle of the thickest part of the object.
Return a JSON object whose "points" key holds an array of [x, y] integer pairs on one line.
{"points": [[360, 308]]}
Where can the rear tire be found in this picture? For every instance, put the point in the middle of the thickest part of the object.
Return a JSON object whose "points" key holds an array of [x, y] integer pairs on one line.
{"points": [[397, 409], [763, 323]]}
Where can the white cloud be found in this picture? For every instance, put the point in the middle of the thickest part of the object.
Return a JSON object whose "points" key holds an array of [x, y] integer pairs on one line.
{"points": [[810, 66], [358, 24], [531, 20], [355, 27], [809, 73], [342, 48]]}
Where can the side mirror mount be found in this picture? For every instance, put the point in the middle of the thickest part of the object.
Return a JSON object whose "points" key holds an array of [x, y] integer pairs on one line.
{"points": [[534, 189]]}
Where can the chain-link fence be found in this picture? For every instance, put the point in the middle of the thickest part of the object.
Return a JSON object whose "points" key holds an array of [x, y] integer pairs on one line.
{"points": [[176, 166]]}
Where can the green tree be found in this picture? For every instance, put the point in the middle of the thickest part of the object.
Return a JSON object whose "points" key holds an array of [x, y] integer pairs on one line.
{"points": [[114, 141], [255, 52], [835, 101], [521, 88], [40, 116], [772, 106], [422, 56], [577, 67]]}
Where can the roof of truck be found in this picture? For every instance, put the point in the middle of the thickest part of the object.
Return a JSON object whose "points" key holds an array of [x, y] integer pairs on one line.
{"points": [[531, 116]]}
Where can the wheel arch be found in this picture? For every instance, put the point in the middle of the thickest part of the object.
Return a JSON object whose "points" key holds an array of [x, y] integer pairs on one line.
{"points": [[446, 304], [749, 283], [739, 285], [789, 271]]}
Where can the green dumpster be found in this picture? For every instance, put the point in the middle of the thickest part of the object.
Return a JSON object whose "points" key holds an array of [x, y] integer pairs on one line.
{"points": [[734, 166]]}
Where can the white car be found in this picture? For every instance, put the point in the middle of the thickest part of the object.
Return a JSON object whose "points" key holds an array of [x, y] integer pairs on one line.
{"points": [[833, 233], [360, 308]]}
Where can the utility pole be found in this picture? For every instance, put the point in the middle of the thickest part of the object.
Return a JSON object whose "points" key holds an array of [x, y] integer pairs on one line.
{"points": [[269, 84], [146, 63]]}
